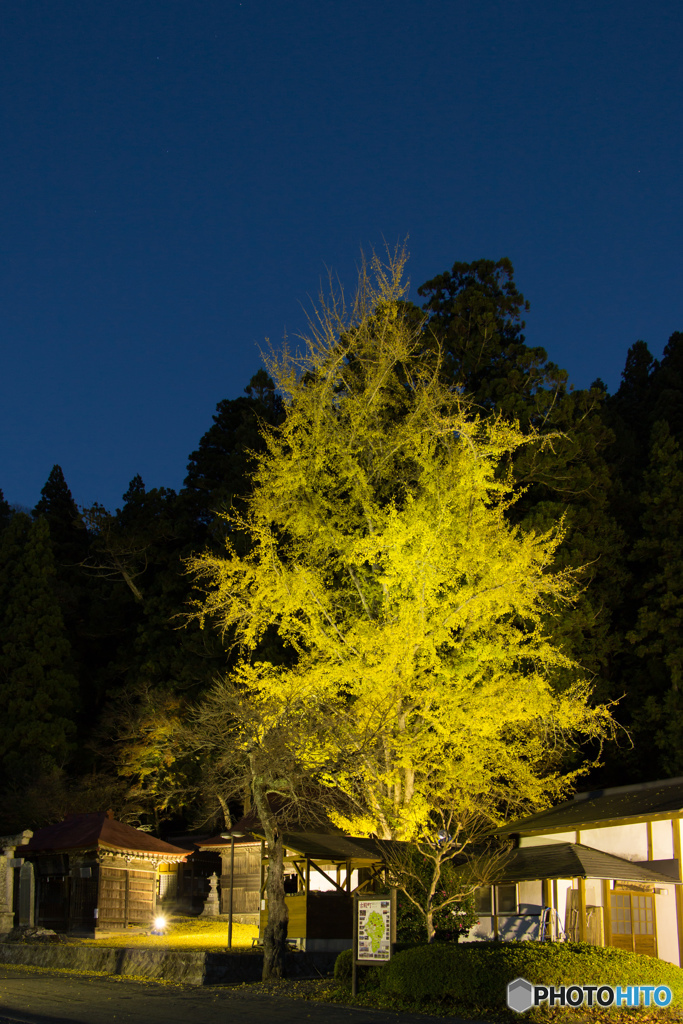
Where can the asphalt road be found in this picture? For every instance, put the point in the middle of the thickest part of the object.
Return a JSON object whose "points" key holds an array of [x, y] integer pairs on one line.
{"points": [[30, 996]]}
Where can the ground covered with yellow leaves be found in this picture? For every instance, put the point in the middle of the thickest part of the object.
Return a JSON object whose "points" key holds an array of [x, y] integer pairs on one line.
{"points": [[183, 933]]}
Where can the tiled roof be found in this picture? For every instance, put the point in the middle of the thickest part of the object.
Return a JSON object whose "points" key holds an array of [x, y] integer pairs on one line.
{"points": [[605, 807], [97, 831], [573, 860]]}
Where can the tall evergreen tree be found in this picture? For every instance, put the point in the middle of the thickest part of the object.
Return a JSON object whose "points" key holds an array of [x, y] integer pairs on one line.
{"points": [[655, 699], [218, 473], [5, 512], [475, 312], [59, 509], [38, 691]]}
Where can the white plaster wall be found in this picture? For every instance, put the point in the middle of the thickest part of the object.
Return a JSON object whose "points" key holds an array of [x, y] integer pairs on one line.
{"points": [[530, 897], [519, 927], [481, 931], [662, 840], [593, 892], [563, 886], [627, 841], [556, 837], [667, 928]]}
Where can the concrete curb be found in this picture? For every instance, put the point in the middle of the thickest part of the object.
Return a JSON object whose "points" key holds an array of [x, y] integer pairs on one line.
{"points": [[182, 967]]}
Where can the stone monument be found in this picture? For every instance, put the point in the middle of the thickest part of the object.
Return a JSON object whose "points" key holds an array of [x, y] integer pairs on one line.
{"points": [[8, 862], [212, 906]]}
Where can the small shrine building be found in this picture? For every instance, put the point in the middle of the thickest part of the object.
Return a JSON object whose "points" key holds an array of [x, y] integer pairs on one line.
{"points": [[92, 874]]}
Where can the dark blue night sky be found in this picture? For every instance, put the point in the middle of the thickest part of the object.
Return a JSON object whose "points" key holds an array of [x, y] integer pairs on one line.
{"points": [[176, 175]]}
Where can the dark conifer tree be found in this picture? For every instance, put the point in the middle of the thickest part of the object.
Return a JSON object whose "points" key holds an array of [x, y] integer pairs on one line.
{"points": [[58, 508], [5, 512], [475, 313], [655, 696], [218, 473], [38, 690]]}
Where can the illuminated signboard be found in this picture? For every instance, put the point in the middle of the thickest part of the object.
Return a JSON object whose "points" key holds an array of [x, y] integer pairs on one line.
{"points": [[373, 930]]}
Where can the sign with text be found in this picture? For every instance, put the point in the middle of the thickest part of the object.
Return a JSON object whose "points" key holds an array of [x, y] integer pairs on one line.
{"points": [[373, 929]]}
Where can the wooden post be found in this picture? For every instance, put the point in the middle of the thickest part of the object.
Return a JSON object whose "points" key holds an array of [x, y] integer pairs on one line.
{"points": [[354, 950], [676, 829], [126, 893], [607, 911], [548, 903], [582, 909]]}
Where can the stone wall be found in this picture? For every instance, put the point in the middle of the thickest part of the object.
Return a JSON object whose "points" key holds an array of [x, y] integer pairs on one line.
{"points": [[183, 967]]}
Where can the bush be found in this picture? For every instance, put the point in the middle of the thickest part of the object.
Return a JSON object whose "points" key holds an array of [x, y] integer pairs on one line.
{"points": [[478, 972], [369, 977], [342, 968]]}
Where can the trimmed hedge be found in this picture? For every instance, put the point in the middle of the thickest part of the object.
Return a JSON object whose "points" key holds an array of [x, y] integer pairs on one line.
{"points": [[479, 972], [342, 968], [369, 977]]}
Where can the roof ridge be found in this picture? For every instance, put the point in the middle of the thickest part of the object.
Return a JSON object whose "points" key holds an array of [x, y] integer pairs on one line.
{"points": [[593, 794]]}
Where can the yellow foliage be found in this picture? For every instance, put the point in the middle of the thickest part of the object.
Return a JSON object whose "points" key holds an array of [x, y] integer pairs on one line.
{"points": [[418, 621]]}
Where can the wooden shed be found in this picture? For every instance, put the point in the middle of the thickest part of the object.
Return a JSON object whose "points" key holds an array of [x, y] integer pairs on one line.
{"points": [[329, 868], [93, 874]]}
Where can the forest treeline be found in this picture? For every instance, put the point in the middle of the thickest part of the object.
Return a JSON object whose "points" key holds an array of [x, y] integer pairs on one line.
{"points": [[100, 664]]}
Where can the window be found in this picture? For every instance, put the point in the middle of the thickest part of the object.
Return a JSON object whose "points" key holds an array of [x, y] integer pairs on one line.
{"points": [[501, 897], [506, 899], [483, 901]]}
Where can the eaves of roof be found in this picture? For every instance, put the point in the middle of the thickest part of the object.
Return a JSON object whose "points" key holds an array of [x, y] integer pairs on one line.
{"points": [[621, 805], [574, 860]]}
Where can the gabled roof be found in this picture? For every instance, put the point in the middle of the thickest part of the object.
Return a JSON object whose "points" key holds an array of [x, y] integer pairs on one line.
{"points": [[317, 846], [620, 805], [324, 846], [573, 860], [98, 831]]}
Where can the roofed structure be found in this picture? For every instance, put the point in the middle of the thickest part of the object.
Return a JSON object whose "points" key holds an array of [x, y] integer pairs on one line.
{"points": [[620, 805], [573, 860], [98, 831]]}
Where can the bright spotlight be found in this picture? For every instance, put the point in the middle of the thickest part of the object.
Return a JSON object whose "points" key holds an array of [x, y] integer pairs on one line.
{"points": [[159, 924]]}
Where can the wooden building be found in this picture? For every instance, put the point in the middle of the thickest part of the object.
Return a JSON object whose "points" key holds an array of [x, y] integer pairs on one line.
{"points": [[328, 869], [92, 874], [603, 868], [322, 873], [246, 849]]}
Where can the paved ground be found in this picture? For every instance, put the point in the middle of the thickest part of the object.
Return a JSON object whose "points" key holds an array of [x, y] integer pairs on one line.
{"points": [[33, 996]]}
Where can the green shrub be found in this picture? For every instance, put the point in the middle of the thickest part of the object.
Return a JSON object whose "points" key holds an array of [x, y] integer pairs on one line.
{"points": [[478, 972], [342, 968], [369, 977]]}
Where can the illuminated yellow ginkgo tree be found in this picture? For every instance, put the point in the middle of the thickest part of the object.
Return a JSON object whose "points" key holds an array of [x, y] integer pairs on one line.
{"points": [[412, 616]]}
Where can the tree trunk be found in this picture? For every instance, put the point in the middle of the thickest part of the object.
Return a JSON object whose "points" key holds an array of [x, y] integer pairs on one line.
{"points": [[275, 937]]}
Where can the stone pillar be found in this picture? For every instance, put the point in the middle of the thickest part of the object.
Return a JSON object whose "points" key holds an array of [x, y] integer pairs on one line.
{"points": [[211, 907], [8, 862], [27, 895]]}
